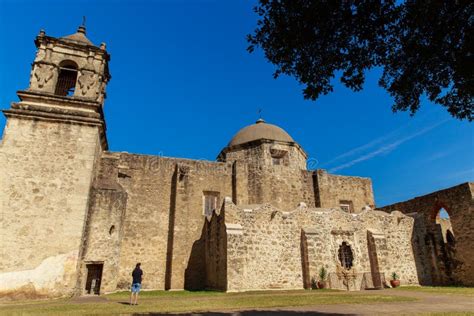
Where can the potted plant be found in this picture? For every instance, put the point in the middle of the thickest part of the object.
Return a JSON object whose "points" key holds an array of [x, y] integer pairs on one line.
{"points": [[323, 274], [395, 281], [314, 283]]}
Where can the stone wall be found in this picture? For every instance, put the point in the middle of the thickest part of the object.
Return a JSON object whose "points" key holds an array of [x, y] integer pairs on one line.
{"points": [[258, 180], [47, 169], [104, 227], [332, 189], [266, 253], [164, 221], [422, 250], [445, 225], [270, 249], [447, 265], [216, 253]]}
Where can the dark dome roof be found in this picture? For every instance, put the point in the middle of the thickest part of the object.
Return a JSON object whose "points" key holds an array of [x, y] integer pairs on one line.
{"points": [[260, 130]]}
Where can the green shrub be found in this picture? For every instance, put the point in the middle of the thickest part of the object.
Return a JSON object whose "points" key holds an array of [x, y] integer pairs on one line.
{"points": [[323, 274]]}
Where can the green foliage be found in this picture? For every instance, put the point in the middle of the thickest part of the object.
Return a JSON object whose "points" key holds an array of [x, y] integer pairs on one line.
{"points": [[395, 276], [314, 283], [423, 47], [323, 274]]}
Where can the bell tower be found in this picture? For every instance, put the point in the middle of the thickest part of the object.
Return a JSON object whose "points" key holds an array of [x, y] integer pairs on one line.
{"points": [[52, 140], [68, 80]]}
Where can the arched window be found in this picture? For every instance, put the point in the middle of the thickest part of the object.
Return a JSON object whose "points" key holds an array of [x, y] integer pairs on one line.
{"points": [[345, 255], [442, 215], [443, 220], [66, 79]]}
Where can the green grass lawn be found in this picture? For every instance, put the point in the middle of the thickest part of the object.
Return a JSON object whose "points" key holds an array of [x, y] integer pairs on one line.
{"points": [[440, 289], [184, 301]]}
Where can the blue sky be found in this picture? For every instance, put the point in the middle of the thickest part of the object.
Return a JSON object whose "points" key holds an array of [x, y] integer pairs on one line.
{"points": [[183, 84]]}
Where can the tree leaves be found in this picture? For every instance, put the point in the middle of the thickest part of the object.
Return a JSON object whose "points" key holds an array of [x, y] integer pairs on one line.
{"points": [[423, 47]]}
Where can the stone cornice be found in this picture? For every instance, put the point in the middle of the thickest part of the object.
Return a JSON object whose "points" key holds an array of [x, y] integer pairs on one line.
{"points": [[50, 98], [55, 116], [61, 118], [65, 43], [44, 108]]}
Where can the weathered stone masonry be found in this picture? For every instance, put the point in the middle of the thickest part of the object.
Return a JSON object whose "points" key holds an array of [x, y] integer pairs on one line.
{"points": [[49, 152], [441, 262], [76, 218], [265, 246]]}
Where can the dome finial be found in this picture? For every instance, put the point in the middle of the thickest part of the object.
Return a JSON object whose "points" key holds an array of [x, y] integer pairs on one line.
{"points": [[260, 119], [82, 27]]}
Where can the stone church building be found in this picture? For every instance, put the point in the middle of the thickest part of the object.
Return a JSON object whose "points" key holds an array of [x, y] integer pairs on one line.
{"points": [[76, 218]]}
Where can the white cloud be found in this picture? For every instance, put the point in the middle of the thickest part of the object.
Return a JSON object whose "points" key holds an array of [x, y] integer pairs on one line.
{"points": [[382, 149], [366, 146], [465, 174]]}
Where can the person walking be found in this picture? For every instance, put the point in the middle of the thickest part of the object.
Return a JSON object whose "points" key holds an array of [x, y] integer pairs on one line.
{"points": [[136, 283]]}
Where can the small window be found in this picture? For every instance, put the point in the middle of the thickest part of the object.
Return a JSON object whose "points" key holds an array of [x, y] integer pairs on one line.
{"points": [[276, 161], [278, 156], [66, 79], [346, 206], [210, 200], [345, 256]]}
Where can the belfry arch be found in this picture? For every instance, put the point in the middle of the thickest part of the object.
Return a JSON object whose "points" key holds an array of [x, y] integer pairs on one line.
{"points": [[67, 78]]}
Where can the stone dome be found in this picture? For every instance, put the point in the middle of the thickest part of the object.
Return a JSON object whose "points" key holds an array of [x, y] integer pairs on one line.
{"points": [[260, 130]]}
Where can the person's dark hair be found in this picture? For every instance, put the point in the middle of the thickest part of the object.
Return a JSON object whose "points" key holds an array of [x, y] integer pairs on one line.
{"points": [[138, 265]]}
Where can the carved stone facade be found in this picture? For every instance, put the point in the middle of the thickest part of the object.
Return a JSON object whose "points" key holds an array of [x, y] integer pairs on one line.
{"points": [[76, 218]]}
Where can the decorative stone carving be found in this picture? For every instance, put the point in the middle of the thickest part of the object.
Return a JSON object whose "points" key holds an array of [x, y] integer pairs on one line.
{"points": [[100, 93], [86, 81], [348, 278], [43, 73]]}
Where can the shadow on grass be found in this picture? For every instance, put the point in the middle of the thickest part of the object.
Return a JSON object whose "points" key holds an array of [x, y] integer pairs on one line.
{"points": [[242, 313]]}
